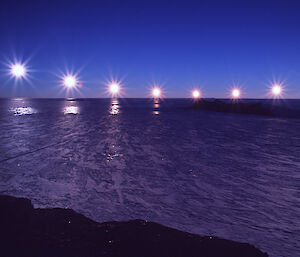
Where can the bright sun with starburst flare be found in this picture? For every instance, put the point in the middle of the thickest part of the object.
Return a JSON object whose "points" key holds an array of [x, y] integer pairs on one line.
{"points": [[235, 93], [156, 92], [196, 94], [114, 88], [70, 81], [18, 70], [276, 90]]}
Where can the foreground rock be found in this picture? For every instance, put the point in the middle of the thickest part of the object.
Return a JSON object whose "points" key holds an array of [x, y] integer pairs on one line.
{"points": [[25, 231], [256, 108]]}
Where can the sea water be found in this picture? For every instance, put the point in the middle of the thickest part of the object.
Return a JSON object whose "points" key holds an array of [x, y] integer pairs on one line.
{"points": [[228, 175]]}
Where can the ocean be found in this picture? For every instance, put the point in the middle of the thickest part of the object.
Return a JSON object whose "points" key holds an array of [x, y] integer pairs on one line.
{"points": [[228, 175]]}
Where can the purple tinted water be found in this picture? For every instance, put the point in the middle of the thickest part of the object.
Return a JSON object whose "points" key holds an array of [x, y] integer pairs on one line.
{"points": [[228, 175]]}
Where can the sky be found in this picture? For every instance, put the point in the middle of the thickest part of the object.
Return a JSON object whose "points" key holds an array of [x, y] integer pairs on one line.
{"points": [[179, 45]]}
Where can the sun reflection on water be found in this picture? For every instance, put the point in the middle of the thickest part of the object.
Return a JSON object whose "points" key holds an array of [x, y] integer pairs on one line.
{"points": [[156, 107], [71, 110], [114, 108], [19, 111]]}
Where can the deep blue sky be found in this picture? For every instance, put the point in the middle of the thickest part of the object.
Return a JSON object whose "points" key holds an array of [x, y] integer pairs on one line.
{"points": [[181, 44]]}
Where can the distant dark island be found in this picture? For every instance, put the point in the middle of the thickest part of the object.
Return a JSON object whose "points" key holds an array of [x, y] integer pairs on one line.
{"points": [[256, 108], [26, 231]]}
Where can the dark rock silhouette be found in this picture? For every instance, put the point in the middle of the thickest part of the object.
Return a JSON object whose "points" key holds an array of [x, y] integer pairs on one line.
{"points": [[256, 108], [26, 231]]}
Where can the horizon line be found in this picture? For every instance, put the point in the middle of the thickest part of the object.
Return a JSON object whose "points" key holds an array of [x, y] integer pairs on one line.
{"points": [[225, 98]]}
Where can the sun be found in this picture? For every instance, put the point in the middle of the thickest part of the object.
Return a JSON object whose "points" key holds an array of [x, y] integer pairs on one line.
{"points": [[235, 93], [276, 90], [18, 70], [156, 92], [196, 94], [114, 88], [70, 81]]}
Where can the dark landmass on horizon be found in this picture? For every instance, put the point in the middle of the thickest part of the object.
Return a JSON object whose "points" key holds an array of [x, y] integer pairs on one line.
{"points": [[26, 231], [244, 107]]}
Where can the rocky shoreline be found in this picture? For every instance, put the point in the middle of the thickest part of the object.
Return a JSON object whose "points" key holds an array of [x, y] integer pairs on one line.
{"points": [[26, 231]]}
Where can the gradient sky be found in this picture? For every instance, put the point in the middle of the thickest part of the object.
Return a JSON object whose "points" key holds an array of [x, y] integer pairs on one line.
{"points": [[180, 44]]}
